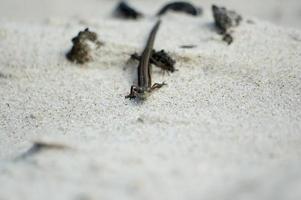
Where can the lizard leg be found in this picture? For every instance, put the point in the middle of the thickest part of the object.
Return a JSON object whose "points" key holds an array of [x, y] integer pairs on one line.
{"points": [[157, 86], [133, 93]]}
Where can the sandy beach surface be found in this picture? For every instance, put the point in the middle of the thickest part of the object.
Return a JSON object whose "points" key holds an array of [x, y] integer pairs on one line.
{"points": [[227, 126]]}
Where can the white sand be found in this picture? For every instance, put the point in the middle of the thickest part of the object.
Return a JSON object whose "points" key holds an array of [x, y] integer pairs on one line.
{"points": [[227, 126]]}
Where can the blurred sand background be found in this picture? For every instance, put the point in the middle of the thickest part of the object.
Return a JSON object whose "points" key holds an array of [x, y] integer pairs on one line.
{"points": [[227, 126], [281, 12]]}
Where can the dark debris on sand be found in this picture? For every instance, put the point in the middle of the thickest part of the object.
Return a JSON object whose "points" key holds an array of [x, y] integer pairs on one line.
{"points": [[125, 11], [181, 6], [160, 59], [81, 50], [39, 146], [225, 20]]}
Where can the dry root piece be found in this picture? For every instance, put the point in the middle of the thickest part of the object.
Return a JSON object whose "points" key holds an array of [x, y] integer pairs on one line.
{"points": [[160, 59], [82, 46], [123, 10], [225, 20], [181, 6]]}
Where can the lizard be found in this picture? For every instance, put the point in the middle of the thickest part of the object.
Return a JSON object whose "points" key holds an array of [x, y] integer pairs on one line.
{"points": [[145, 87]]}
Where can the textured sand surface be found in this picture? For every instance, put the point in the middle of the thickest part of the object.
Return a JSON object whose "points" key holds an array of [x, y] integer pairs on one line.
{"points": [[227, 126]]}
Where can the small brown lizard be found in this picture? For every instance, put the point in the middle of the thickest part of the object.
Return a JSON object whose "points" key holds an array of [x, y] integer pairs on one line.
{"points": [[145, 87]]}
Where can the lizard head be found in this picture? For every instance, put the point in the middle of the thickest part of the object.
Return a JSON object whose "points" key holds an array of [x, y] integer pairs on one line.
{"points": [[138, 92]]}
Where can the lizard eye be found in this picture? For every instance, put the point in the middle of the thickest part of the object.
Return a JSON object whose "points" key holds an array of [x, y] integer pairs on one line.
{"points": [[136, 89]]}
